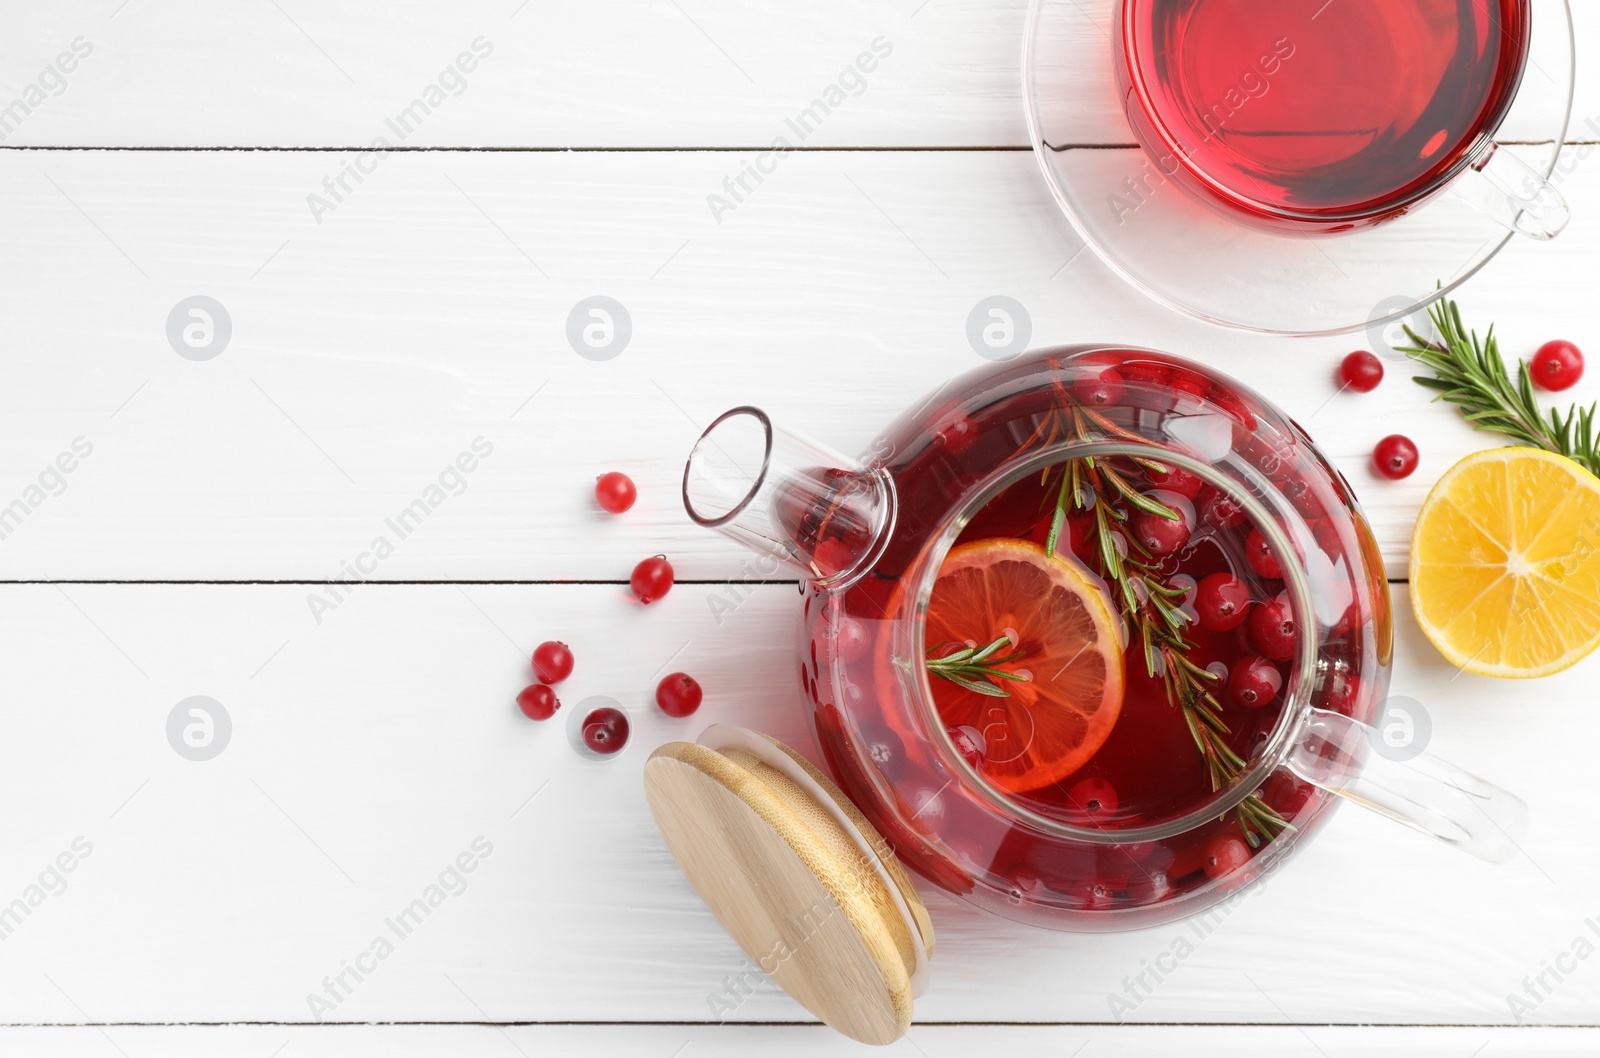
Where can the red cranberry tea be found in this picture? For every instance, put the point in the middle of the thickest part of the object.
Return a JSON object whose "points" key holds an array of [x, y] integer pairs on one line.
{"points": [[1306, 112]]}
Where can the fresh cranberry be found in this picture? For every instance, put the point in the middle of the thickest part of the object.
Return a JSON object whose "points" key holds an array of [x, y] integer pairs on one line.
{"points": [[1094, 796], [1272, 628], [1303, 496], [552, 662], [1395, 457], [1287, 794], [968, 742], [1556, 366], [1024, 883], [1151, 373], [1232, 405], [678, 694], [652, 578], [955, 433], [1191, 382], [1259, 554], [1160, 536], [537, 702], [1326, 533], [1101, 387], [1220, 510], [1222, 602], [605, 730], [1178, 480], [888, 752], [1224, 855], [1361, 371], [1254, 682], [614, 492]]}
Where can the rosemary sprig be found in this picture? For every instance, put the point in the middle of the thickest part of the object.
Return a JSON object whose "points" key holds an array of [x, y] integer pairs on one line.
{"points": [[975, 668], [1152, 608], [1472, 375]]}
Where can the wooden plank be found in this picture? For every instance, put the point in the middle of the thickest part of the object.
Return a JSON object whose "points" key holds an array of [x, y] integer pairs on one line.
{"points": [[369, 752], [781, 1041], [430, 307], [701, 73]]}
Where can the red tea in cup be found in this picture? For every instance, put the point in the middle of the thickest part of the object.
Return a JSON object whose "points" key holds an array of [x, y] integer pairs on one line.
{"points": [[1319, 115]]}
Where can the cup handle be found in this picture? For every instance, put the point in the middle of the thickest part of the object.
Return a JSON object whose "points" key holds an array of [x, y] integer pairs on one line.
{"points": [[1512, 193], [1349, 758]]}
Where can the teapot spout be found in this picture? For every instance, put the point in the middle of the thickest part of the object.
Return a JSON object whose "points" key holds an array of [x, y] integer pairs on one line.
{"points": [[800, 504]]}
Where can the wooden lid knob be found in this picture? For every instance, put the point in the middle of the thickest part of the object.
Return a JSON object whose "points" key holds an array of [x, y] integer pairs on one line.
{"points": [[796, 874]]}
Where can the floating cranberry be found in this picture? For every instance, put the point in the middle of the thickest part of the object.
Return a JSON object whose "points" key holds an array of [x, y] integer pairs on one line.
{"points": [[1099, 388], [614, 492], [1272, 628], [552, 662], [1176, 479], [1259, 554], [1191, 382], [1395, 457], [652, 578], [968, 742], [537, 702], [1254, 682], [1152, 373], [605, 730], [678, 694], [1094, 796], [1222, 602], [1361, 371], [1224, 855], [1160, 536], [1220, 510], [1556, 366]]}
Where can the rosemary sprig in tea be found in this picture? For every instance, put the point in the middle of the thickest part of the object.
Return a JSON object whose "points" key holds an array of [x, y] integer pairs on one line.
{"points": [[975, 668]]}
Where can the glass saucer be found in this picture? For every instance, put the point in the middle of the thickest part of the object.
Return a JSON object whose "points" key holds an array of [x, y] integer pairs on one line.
{"points": [[1198, 262]]}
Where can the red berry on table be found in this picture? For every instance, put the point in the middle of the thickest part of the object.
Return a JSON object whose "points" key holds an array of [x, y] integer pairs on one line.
{"points": [[678, 694], [552, 662], [538, 702], [1259, 554], [1095, 796], [1254, 682], [1272, 628], [1224, 855], [1395, 457], [614, 492], [1556, 366], [1159, 535], [652, 578], [1222, 602], [605, 731], [1361, 371]]}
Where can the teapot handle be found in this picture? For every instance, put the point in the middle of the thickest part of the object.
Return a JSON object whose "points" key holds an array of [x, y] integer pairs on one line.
{"points": [[1354, 760]]}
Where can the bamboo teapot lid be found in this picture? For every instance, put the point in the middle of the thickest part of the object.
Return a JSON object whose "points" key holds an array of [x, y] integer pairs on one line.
{"points": [[796, 875]]}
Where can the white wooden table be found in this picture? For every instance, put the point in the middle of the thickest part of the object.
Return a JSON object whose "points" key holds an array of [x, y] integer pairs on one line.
{"points": [[379, 334]]}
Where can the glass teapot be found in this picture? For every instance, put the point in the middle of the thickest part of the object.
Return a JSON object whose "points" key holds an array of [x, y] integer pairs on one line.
{"points": [[1092, 639]]}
